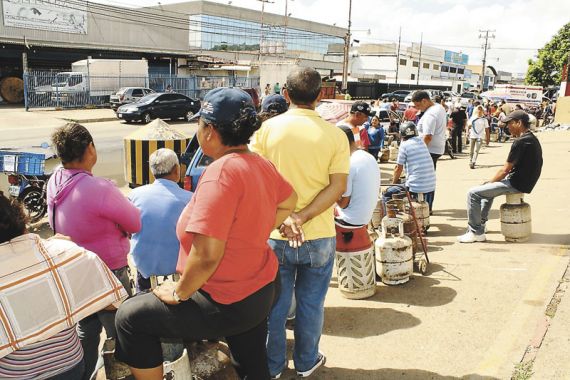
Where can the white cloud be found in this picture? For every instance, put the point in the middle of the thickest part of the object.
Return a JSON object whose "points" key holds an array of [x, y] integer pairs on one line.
{"points": [[519, 24]]}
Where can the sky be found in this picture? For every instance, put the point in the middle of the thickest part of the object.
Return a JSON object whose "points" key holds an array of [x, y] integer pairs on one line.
{"points": [[520, 26]]}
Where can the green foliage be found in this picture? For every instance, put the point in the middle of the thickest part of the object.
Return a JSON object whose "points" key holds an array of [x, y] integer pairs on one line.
{"points": [[546, 70]]}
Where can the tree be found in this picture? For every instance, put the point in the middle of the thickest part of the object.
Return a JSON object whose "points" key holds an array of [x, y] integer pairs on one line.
{"points": [[546, 70]]}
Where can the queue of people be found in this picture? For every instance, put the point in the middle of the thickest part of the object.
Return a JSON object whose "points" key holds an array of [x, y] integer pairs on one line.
{"points": [[235, 274]]}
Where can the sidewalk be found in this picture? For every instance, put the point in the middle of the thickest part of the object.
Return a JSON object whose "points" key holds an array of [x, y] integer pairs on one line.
{"points": [[94, 115]]}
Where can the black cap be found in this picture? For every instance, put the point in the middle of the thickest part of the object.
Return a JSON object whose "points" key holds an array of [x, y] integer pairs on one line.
{"points": [[517, 115], [361, 106]]}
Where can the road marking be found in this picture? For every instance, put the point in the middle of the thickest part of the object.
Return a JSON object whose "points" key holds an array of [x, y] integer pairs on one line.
{"points": [[496, 354]]}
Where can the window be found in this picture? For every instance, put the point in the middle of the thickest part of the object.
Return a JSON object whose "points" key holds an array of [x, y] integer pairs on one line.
{"points": [[460, 71], [413, 76], [137, 92], [436, 67], [453, 70], [403, 62], [415, 64], [444, 69], [74, 80], [426, 65]]}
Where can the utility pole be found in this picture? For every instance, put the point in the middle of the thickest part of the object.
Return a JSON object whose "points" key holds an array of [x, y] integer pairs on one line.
{"points": [[420, 59], [261, 32], [346, 49], [398, 54], [486, 35], [285, 31]]}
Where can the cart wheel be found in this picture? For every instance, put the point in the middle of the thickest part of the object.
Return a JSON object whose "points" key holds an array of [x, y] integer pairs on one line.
{"points": [[35, 204]]}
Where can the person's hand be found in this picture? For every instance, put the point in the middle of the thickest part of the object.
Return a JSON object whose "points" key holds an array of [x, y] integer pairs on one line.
{"points": [[292, 229], [164, 292]]}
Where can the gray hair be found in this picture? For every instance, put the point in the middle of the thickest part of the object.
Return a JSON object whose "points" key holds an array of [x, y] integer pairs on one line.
{"points": [[162, 162]]}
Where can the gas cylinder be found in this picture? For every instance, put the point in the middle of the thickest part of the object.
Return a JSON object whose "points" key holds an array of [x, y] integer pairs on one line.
{"points": [[179, 368], [410, 229], [515, 218], [394, 151], [377, 214], [354, 262], [421, 209], [494, 136], [394, 257]]}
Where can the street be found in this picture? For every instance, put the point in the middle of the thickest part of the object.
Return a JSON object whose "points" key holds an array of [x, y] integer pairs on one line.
{"points": [[476, 313]]}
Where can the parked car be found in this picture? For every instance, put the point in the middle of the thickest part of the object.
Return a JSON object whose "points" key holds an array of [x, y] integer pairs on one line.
{"points": [[161, 105], [435, 93], [196, 162], [127, 95], [399, 94], [430, 92], [466, 96]]}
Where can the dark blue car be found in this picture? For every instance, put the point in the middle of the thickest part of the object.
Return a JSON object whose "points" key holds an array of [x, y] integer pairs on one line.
{"points": [[196, 163]]}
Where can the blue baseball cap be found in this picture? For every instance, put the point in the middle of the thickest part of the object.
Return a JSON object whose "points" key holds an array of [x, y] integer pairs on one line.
{"points": [[274, 102], [224, 104]]}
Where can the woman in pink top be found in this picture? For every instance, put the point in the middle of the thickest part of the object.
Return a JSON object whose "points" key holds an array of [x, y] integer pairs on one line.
{"points": [[95, 215]]}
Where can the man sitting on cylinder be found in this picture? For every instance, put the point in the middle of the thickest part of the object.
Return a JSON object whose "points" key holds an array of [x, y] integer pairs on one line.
{"points": [[155, 247], [415, 158]]}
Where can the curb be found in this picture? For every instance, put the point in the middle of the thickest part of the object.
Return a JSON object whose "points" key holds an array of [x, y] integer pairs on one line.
{"points": [[98, 120]]}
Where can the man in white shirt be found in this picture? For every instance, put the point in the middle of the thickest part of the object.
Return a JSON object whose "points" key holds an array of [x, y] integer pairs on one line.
{"points": [[357, 203], [431, 126]]}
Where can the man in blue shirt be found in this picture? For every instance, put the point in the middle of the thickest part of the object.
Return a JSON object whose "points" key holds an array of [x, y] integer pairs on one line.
{"points": [[415, 157], [155, 247]]}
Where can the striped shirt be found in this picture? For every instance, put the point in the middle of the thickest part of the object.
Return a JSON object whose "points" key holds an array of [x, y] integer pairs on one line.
{"points": [[415, 157], [44, 359]]}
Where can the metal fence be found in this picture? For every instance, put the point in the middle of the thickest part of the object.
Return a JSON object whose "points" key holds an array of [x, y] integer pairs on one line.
{"points": [[49, 89]]}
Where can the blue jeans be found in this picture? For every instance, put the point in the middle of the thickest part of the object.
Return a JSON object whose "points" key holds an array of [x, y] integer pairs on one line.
{"points": [[387, 196], [307, 271], [480, 200]]}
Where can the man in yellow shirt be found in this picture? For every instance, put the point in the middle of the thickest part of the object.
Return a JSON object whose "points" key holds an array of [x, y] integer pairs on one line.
{"points": [[314, 156]]}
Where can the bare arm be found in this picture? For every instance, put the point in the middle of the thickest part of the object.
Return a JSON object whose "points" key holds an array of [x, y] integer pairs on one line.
{"points": [[427, 139], [204, 258], [326, 198], [487, 136], [397, 173], [343, 202], [502, 173], [284, 209]]}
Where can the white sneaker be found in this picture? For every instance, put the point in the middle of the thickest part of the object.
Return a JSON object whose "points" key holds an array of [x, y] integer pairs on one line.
{"points": [[470, 237]]}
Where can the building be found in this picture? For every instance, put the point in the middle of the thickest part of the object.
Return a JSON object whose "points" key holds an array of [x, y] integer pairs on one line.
{"points": [[489, 80], [183, 38], [411, 65]]}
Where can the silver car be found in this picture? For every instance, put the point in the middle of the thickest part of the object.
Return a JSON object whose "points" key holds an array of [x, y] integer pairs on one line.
{"points": [[128, 95]]}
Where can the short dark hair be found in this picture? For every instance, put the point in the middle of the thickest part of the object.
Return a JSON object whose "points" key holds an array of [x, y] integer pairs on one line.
{"points": [[348, 132], [240, 130], [71, 141], [420, 95], [303, 85], [12, 219]]}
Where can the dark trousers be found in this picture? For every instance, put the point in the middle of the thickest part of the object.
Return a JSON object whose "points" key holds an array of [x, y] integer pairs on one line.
{"points": [[374, 152], [434, 158], [143, 283], [142, 320], [456, 140]]}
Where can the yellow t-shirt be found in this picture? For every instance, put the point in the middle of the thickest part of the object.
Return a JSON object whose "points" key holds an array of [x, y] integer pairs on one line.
{"points": [[305, 149]]}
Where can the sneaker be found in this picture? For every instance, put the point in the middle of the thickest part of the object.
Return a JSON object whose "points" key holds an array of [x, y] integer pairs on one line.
{"points": [[321, 360], [472, 165], [278, 376], [471, 237]]}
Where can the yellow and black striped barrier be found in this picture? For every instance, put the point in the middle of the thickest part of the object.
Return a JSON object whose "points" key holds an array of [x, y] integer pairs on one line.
{"points": [[140, 144]]}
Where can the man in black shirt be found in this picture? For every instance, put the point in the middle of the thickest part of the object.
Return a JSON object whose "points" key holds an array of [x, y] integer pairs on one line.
{"points": [[519, 175], [459, 121]]}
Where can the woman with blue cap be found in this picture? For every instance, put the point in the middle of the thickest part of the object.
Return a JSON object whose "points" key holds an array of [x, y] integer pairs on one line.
{"points": [[228, 272]]}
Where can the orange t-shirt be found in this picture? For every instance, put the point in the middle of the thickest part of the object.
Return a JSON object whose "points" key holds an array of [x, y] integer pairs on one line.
{"points": [[235, 201]]}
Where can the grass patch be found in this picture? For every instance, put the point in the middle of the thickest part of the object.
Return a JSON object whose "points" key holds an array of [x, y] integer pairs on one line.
{"points": [[523, 371]]}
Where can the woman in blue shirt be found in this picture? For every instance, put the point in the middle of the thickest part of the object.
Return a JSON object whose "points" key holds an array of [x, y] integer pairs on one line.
{"points": [[376, 137]]}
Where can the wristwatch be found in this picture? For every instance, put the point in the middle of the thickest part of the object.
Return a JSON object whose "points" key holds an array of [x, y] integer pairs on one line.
{"points": [[176, 298]]}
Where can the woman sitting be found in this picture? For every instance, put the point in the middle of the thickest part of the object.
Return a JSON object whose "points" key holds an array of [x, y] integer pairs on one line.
{"points": [[45, 287], [228, 282]]}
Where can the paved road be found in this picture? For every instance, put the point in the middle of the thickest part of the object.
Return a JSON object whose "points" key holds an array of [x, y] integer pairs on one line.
{"points": [[20, 129]]}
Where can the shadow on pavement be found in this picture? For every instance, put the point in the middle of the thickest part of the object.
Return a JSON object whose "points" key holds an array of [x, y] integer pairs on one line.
{"points": [[438, 230], [461, 214], [362, 322], [419, 291], [388, 374]]}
